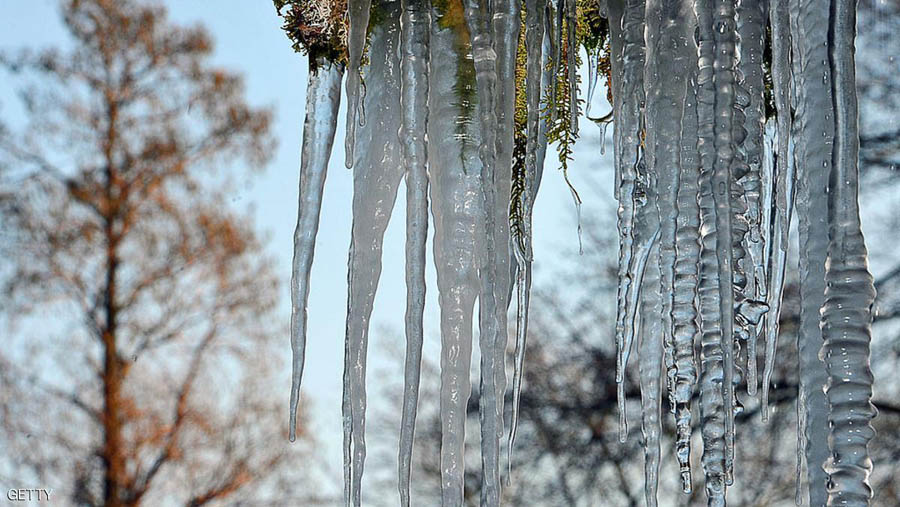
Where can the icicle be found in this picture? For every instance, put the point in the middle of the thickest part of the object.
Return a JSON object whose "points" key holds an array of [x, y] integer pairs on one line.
{"points": [[724, 78], [629, 124], [603, 127], [646, 233], [712, 385], [454, 170], [762, 273], [616, 55], [766, 211], [650, 368], [323, 97], [377, 171], [751, 26], [506, 25], [667, 57], [523, 279], [358, 13], [415, 29], [687, 259], [779, 20], [477, 14], [572, 68], [849, 292], [547, 81], [593, 60], [815, 129], [534, 38], [556, 39], [523, 284]]}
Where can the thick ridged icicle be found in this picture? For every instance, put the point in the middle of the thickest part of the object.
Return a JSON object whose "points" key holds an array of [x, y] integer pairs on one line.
{"points": [[751, 27], [358, 13], [650, 369], [712, 414], [453, 135], [323, 97], [666, 58], [377, 172], [478, 15], [783, 183], [415, 30], [725, 34], [687, 260], [534, 40], [815, 133], [629, 124], [849, 292]]}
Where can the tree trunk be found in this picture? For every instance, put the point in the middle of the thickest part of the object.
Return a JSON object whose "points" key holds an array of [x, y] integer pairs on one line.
{"points": [[112, 452]]}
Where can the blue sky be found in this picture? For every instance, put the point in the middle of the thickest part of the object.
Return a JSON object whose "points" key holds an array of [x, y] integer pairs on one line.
{"points": [[248, 39]]}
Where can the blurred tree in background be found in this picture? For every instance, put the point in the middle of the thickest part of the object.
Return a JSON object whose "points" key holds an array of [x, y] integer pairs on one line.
{"points": [[567, 451], [136, 365]]}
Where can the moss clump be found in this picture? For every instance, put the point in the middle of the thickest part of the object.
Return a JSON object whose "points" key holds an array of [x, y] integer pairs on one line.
{"points": [[317, 28]]}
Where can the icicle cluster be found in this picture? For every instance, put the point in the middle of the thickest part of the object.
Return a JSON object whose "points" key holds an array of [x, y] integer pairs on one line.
{"points": [[438, 95], [691, 142]]}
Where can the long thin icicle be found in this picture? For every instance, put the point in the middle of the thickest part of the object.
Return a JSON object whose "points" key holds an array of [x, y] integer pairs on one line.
{"points": [[453, 134], [533, 183], [628, 143], [415, 31], [534, 40], [850, 291], [323, 97], [687, 259], [523, 280], [506, 24], [752, 27], [813, 150], [478, 14], [377, 171], [646, 233], [358, 13], [615, 12], [779, 20]]}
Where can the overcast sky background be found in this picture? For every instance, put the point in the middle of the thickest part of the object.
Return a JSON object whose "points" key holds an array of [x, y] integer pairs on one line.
{"points": [[248, 39]]}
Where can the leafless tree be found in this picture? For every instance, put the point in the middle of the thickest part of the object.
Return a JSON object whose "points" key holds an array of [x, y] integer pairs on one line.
{"points": [[137, 358]]}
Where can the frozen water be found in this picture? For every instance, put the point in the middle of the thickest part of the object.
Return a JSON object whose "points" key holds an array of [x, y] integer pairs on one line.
{"points": [[705, 179]]}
